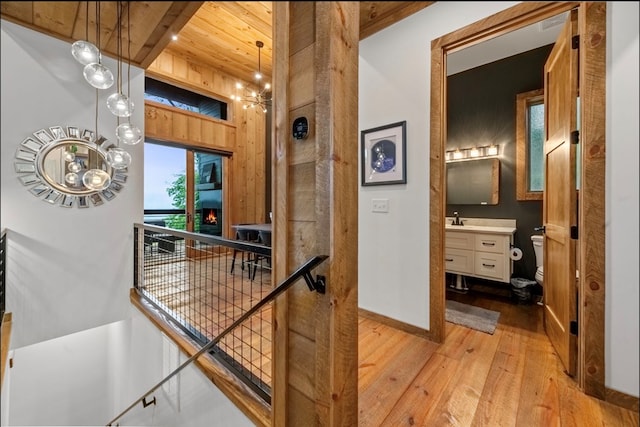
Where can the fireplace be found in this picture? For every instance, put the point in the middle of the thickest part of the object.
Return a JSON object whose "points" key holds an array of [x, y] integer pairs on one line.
{"points": [[209, 216], [211, 212]]}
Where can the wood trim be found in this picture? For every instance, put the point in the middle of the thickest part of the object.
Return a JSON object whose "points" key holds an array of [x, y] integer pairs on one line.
{"points": [[242, 396], [622, 400], [336, 207], [396, 324], [5, 330], [592, 254], [378, 23], [592, 17], [523, 100], [280, 201]]}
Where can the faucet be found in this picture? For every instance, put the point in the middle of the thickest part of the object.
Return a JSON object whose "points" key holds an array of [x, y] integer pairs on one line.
{"points": [[456, 219]]}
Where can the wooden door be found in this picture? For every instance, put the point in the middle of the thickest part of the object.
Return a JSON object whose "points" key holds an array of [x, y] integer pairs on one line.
{"points": [[560, 195]]}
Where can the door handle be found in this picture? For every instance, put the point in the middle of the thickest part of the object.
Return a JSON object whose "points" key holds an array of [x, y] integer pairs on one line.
{"points": [[541, 228]]}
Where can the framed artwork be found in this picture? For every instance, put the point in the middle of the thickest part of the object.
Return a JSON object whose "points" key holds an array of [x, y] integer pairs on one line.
{"points": [[384, 154]]}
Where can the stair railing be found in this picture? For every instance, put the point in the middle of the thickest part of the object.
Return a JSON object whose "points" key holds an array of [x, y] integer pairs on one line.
{"points": [[303, 272]]}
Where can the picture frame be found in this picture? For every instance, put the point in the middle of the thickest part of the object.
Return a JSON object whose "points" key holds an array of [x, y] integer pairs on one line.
{"points": [[383, 153]]}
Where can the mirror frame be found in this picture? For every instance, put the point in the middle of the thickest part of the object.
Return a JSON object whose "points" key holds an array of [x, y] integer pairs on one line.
{"points": [[29, 165]]}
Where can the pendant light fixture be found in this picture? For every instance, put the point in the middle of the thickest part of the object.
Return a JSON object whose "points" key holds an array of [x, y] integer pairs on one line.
{"points": [[118, 103], [127, 133], [84, 51], [96, 178], [259, 98], [96, 74]]}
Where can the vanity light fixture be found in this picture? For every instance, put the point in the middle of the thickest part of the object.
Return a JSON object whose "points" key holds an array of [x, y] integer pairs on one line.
{"points": [[461, 154], [261, 97], [492, 150]]}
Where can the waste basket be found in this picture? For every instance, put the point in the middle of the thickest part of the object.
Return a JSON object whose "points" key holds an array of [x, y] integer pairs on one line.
{"points": [[521, 289]]}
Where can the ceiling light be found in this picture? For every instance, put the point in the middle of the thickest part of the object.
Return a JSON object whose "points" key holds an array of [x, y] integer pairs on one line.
{"points": [[252, 98]]}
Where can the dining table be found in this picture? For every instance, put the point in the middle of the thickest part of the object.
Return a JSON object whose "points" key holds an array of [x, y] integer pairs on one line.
{"points": [[263, 230]]}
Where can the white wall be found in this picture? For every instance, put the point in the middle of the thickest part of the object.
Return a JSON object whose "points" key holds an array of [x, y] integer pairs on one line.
{"points": [[69, 269], [622, 219], [394, 76], [393, 254], [89, 377]]}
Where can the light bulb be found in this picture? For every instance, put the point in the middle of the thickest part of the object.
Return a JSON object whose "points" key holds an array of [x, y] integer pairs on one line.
{"points": [[128, 134], [492, 150], [96, 179], [85, 52], [98, 76], [74, 167], [120, 105], [267, 86], [72, 178], [118, 158], [69, 156]]}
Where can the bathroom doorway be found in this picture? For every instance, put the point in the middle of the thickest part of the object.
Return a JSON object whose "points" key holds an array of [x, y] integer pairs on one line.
{"points": [[590, 377]]}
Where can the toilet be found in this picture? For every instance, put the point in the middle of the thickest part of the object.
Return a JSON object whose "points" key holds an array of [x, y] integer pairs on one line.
{"points": [[536, 239]]}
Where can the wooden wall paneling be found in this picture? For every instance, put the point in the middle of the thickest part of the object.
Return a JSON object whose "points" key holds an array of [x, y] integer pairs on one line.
{"points": [[317, 187], [592, 256], [280, 238], [336, 59], [302, 78], [243, 135]]}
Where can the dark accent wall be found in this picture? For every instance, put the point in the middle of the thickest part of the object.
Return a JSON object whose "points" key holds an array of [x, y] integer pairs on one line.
{"points": [[482, 111]]}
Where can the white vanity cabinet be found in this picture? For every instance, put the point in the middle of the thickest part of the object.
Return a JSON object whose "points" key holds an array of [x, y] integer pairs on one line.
{"points": [[479, 251]]}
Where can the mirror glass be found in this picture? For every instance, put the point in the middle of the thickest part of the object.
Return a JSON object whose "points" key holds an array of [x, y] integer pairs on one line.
{"points": [[64, 164], [53, 161], [473, 182]]}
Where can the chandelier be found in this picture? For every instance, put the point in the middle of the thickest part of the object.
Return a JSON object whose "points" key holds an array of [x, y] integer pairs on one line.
{"points": [[254, 98]]}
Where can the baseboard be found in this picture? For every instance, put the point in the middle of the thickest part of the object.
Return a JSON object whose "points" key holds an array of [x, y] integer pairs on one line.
{"points": [[621, 399], [397, 324]]}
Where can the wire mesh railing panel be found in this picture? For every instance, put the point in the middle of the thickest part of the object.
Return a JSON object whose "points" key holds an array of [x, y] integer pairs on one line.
{"points": [[205, 285]]}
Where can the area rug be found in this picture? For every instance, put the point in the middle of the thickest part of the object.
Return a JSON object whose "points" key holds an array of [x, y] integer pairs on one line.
{"points": [[472, 317]]}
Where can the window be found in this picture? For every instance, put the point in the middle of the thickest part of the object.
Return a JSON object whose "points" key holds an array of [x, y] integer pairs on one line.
{"points": [[163, 93], [530, 145]]}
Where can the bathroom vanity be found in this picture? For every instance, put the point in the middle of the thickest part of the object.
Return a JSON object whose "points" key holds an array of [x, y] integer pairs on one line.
{"points": [[480, 247]]}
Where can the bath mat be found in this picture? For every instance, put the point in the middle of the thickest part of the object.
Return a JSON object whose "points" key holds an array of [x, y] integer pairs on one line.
{"points": [[472, 317]]}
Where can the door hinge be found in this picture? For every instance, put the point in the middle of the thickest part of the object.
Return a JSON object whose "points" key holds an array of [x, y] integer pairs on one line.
{"points": [[574, 232], [573, 327], [575, 137], [575, 42]]}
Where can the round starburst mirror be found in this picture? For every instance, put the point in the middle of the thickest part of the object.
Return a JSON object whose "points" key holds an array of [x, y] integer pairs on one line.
{"points": [[69, 166]]}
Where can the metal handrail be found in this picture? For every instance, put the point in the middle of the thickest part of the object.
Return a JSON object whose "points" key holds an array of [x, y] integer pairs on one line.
{"points": [[3, 270], [303, 272]]}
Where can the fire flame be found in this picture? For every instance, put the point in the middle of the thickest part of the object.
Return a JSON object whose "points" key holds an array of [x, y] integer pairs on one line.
{"points": [[211, 218]]}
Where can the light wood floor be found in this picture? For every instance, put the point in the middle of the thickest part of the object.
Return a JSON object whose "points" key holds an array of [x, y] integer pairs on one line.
{"points": [[510, 378]]}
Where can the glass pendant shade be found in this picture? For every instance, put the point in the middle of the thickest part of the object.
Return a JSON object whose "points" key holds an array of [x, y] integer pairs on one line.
{"points": [[85, 52], [96, 179], [98, 76], [69, 156], [120, 105], [118, 158], [72, 178], [74, 167], [128, 134]]}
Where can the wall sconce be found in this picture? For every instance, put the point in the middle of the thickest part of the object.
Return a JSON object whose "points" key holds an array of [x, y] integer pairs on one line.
{"points": [[460, 154]]}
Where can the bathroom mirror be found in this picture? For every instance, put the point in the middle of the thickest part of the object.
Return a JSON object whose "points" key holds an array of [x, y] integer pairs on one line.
{"points": [[473, 182], [53, 161]]}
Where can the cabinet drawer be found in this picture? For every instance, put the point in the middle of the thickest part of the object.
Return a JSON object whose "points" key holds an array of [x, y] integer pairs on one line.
{"points": [[459, 240], [492, 243], [490, 265], [458, 261]]}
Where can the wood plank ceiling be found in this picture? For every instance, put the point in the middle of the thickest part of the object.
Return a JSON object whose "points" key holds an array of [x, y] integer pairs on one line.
{"points": [[221, 35]]}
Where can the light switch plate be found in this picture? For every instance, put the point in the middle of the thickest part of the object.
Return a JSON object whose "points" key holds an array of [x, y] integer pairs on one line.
{"points": [[380, 205]]}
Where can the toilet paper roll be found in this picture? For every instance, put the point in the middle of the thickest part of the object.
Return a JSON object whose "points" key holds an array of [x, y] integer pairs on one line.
{"points": [[516, 254]]}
